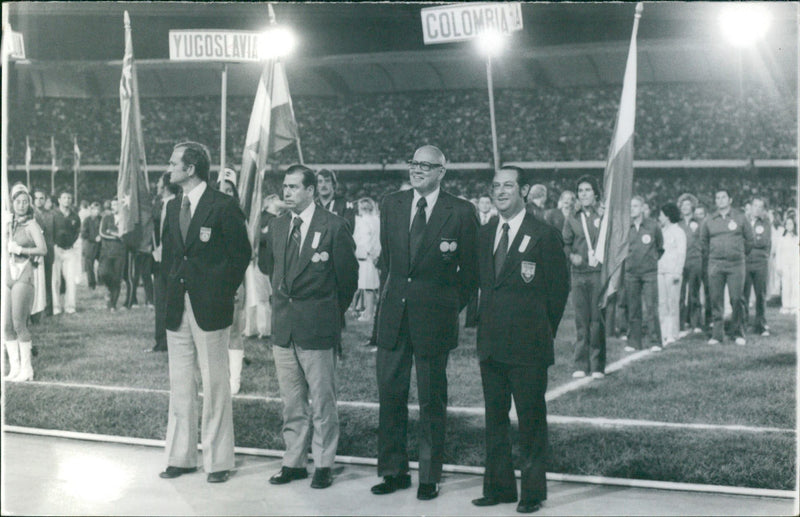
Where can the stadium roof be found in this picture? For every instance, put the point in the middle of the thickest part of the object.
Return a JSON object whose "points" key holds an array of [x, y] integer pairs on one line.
{"points": [[74, 48]]}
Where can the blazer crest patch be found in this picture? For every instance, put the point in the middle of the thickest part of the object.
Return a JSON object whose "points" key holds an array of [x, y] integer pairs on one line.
{"points": [[528, 271], [205, 233]]}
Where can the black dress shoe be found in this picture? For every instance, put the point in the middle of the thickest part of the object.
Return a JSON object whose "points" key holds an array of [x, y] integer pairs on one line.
{"points": [[391, 484], [323, 478], [427, 491], [533, 506], [490, 500], [219, 476], [173, 472], [287, 475]]}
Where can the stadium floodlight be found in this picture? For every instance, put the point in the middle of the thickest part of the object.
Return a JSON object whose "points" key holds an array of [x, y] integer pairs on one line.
{"points": [[276, 42], [744, 24], [490, 43]]}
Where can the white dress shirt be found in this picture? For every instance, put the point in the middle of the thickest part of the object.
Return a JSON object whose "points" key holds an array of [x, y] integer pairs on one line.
{"points": [[513, 227], [194, 196], [430, 199], [305, 216]]}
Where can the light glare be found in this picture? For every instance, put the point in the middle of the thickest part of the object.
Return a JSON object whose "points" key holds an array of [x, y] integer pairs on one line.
{"points": [[743, 25], [276, 42], [491, 43]]}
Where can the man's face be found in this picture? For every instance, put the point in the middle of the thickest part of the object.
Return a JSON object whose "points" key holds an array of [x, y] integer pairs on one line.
{"points": [[484, 205], [758, 208], [646, 209], [38, 200], [700, 213], [586, 195], [95, 210], [566, 202], [295, 195], [325, 186], [178, 173], [506, 193], [722, 200], [65, 200], [421, 180], [686, 208], [636, 208]]}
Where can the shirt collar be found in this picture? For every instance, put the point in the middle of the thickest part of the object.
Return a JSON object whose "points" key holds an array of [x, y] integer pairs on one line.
{"points": [[514, 223], [306, 214], [195, 194], [430, 199]]}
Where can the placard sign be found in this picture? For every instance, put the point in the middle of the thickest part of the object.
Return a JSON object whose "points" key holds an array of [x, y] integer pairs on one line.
{"points": [[459, 22], [214, 45]]}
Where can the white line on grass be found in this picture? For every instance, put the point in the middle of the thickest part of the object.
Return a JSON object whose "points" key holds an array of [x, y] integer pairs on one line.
{"points": [[455, 469], [469, 411], [613, 367]]}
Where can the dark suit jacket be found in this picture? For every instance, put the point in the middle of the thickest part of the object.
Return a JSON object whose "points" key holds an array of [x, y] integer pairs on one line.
{"points": [[308, 303], [521, 310], [211, 264], [439, 283], [339, 207]]}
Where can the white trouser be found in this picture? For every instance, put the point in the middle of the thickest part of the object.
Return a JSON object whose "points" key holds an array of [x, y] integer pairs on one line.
{"points": [[68, 263]]}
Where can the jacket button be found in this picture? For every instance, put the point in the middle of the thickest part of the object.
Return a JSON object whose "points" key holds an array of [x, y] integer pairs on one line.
{"points": [[290, 300], [409, 280], [403, 300]]}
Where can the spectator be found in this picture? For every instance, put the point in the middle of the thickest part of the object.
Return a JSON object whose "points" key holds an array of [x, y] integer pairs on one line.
{"points": [[44, 218], [67, 258], [756, 266], [536, 199], [90, 248], [788, 246], [670, 269], [690, 306], [368, 249], [112, 255]]}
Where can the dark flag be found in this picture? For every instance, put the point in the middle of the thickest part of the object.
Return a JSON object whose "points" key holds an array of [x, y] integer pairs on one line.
{"points": [[612, 245], [133, 190]]}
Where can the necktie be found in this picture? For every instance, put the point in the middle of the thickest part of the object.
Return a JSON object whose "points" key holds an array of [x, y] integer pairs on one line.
{"points": [[186, 217], [293, 247], [417, 230], [501, 252]]}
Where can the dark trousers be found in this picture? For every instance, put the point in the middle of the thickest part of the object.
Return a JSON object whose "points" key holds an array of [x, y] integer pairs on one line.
{"points": [[472, 311], [159, 297], [48, 279], [756, 279], [690, 306], [394, 378], [140, 265], [527, 384], [718, 277], [590, 347], [90, 250], [642, 295], [110, 272]]}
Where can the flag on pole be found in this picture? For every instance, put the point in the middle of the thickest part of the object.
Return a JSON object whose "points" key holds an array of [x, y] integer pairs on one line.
{"points": [[272, 128], [612, 242], [76, 166], [28, 156], [133, 190], [53, 165]]}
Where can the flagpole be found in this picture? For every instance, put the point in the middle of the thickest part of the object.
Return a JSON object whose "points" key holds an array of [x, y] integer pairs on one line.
{"points": [[5, 210], [53, 165], [490, 84], [75, 166], [28, 161], [223, 117]]}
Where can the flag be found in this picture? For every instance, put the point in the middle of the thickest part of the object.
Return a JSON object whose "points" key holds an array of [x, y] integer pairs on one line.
{"points": [[133, 190], [28, 156], [612, 242], [272, 128], [76, 154], [53, 165]]}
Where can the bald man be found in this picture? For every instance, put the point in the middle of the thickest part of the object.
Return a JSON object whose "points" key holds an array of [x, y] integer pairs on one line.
{"points": [[429, 270]]}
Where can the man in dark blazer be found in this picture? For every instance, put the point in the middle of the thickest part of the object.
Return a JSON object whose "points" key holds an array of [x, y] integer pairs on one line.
{"points": [[429, 271], [205, 251], [166, 191], [309, 255], [524, 283]]}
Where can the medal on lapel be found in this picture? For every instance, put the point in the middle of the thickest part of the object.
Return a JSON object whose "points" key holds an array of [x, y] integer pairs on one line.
{"points": [[315, 242]]}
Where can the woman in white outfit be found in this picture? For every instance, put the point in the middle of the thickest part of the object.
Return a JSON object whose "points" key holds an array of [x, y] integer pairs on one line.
{"points": [[670, 269], [25, 245], [368, 247], [787, 264]]}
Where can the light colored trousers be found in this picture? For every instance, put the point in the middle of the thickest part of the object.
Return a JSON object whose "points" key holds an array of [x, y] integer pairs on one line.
{"points": [[669, 295], [303, 374], [190, 348], [68, 263]]}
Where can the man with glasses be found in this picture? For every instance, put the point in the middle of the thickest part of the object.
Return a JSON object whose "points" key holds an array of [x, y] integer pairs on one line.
{"points": [[429, 271]]}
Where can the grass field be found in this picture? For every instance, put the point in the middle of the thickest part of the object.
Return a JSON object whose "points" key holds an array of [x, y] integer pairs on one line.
{"points": [[689, 382]]}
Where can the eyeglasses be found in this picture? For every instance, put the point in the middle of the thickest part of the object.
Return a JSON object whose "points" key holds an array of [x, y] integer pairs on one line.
{"points": [[423, 166]]}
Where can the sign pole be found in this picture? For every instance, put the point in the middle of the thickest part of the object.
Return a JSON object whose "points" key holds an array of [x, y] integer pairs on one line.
{"points": [[223, 117], [490, 84]]}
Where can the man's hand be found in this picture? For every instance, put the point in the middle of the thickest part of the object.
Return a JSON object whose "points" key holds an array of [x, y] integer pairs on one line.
{"points": [[576, 259]]}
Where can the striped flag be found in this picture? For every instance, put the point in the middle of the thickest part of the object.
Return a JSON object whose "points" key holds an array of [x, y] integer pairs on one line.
{"points": [[612, 243], [76, 154], [133, 190], [272, 128], [53, 165]]}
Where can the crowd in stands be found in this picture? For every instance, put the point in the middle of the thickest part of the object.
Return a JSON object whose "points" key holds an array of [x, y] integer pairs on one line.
{"points": [[674, 122]]}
